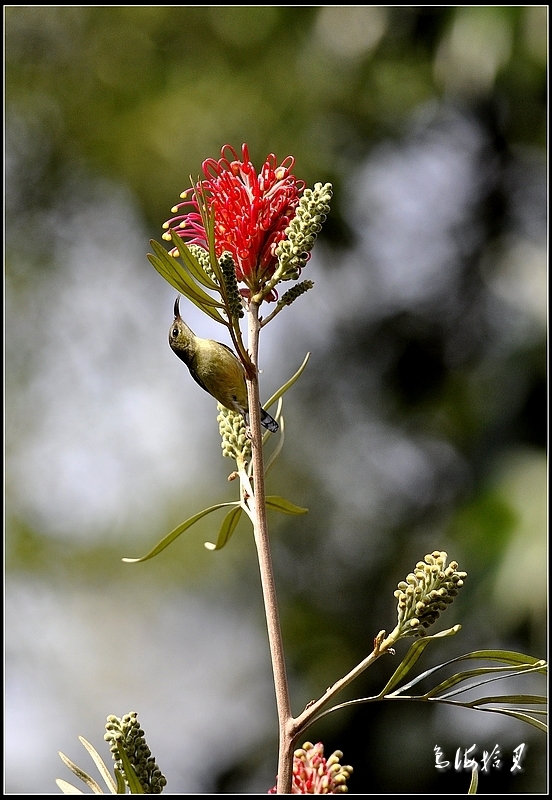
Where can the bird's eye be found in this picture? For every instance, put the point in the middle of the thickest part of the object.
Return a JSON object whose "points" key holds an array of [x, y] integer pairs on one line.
{"points": [[174, 333]]}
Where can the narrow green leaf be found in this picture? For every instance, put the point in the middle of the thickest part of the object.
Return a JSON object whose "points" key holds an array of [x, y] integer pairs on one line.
{"points": [[415, 651], [67, 788], [121, 785], [516, 660], [81, 774], [498, 673], [281, 438], [513, 664], [522, 717], [521, 714], [507, 656], [100, 764], [183, 289], [130, 774], [208, 220], [176, 533], [286, 386], [179, 274], [520, 699], [192, 264], [281, 504], [159, 266], [226, 529], [172, 271], [474, 781], [165, 273], [184, 284]]}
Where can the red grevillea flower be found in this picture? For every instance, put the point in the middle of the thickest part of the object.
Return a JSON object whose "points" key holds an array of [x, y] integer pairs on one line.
{"points": [[313, 774], [251, 212]]}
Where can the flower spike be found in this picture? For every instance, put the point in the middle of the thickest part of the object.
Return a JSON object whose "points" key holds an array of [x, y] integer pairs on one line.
{"points": [[251, 212]]}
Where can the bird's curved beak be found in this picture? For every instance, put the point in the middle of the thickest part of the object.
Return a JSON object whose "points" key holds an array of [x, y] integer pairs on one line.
{"points": [[177, 307]]}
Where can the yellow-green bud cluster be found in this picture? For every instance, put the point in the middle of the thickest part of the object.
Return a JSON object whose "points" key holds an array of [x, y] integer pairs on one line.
{"points": [[296, 291], [426, 592], [235, 443], [202, 256], [300, 235], [233, 296], [127, 733]]}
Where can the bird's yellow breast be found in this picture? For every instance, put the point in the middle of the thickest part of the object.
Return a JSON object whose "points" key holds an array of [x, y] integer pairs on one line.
{"points": [[221, 373]]}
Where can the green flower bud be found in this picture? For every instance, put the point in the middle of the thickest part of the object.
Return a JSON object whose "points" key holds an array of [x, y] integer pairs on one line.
{"points": [[204, 259], [293, 252], [295, 292], [127, 733], [426, 593], [228, 268], [235, 442]]}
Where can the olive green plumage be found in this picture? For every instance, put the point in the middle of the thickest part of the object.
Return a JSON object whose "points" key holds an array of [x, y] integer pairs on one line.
{"points": [[215, 367]]}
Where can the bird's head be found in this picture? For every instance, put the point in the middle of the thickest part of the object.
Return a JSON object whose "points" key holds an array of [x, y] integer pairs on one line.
{"points": [[180, 336]]}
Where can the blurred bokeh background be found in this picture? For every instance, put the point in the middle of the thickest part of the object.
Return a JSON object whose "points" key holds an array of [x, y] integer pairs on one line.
{"points": [[419, 424]]}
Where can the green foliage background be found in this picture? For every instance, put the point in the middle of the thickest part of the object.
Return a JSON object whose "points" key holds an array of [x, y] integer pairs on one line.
{"points": [[420, 423]]}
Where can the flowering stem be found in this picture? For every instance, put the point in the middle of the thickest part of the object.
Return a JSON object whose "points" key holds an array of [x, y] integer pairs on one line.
{"points": [[260, 526], [382, 644], [266, 320]]}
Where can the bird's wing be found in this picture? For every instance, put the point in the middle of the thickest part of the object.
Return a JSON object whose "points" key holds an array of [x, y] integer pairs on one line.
{"points": [[228, 348], [196, 378]]}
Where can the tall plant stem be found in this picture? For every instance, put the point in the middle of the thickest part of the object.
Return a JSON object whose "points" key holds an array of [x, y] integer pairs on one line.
{"points": [[285, 721]]}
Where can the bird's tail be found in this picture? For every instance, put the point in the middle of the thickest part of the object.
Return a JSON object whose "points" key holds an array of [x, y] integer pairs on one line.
{"points": [[268, 422]]}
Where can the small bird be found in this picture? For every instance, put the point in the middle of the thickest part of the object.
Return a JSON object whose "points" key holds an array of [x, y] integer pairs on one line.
{"points": [[215, 367]]}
